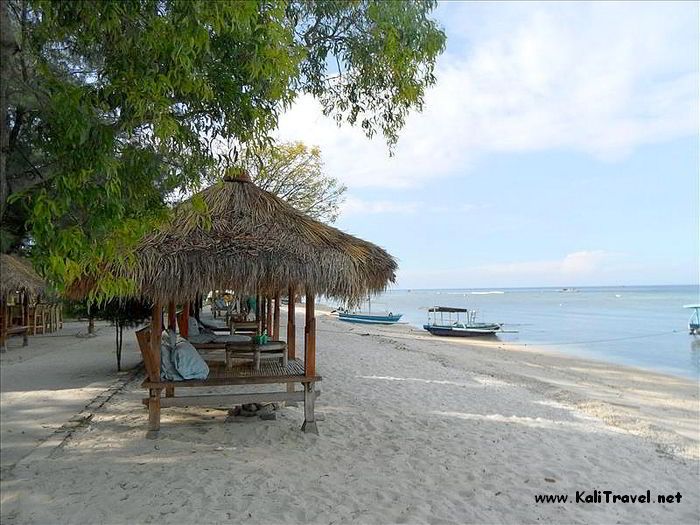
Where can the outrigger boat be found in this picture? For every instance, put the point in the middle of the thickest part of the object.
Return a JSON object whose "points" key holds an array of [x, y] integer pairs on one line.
{"points": [[368, 317], [694, 322], [458, 327]]}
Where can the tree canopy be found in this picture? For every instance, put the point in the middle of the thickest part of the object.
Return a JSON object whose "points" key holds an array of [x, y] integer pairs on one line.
{"points": [[294, 172], [109, 107]]}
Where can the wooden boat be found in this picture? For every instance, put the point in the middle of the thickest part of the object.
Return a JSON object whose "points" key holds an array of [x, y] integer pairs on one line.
{"points": [[368, 317], [451, 327], [694, 322]]}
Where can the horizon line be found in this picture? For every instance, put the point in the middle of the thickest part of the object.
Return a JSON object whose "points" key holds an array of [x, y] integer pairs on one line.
{"points": [[570, 287]]}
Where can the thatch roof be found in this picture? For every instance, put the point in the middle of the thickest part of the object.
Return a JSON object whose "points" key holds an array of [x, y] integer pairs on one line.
{"points": [[17, 274], [251, 240]]}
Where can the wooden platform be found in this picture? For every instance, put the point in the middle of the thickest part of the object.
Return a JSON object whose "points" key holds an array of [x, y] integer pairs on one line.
{"points": [[271, 371]]}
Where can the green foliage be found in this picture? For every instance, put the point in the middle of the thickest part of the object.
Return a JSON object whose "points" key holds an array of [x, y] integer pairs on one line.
{"points": [[294, 172], [111, 107]]}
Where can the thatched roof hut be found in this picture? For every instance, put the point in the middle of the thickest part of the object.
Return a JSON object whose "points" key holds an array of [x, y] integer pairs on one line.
{"points": [[18, 275], [233, 235]]}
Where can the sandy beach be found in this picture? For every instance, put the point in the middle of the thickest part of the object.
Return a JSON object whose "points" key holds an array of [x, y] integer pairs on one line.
{"points": [[415, 429]]}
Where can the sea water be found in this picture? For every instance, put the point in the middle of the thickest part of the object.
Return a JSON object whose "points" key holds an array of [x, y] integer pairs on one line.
{"points": [[643, 326]]}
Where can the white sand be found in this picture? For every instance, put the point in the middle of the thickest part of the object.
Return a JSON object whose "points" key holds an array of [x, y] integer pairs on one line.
{"points": [[46, 383], [416, 430]]}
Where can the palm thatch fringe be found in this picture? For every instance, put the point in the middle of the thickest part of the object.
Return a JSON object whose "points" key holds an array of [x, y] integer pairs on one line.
{"points": [[18, 275], [251, 241]]}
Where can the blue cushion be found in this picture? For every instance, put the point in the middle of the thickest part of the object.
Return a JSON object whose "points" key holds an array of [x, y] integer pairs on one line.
{"points": [[188, 362], [192, 326], [200, 338], [167, 367]]}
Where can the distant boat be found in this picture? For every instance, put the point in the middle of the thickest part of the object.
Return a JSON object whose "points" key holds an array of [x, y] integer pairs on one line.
{"points": [[694, 322], [368, 317], [458, 327]]}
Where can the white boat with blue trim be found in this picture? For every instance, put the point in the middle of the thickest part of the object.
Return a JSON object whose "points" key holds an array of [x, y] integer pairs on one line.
{"points": [[368, 317], [451, 324], [694, 322]]}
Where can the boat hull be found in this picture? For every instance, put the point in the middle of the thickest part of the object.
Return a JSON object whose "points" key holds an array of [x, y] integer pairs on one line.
{"points": [[369, 319], [487, 330]]}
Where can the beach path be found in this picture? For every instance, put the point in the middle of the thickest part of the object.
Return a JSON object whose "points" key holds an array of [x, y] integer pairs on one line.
{"points": [[44, 385]]}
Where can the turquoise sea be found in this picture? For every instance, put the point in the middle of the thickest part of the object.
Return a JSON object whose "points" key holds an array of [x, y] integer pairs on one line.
{"points": [[643, 326]]}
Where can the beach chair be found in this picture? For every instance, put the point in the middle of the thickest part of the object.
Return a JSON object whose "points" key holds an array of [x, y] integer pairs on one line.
{"points": [[219, 306]]}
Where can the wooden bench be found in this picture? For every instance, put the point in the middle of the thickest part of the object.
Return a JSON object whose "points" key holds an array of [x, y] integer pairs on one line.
{"points": [[269, 372], [15, 330]]}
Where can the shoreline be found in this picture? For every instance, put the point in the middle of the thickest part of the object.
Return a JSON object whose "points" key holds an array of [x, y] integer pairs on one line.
{"points": [[551, 348]]}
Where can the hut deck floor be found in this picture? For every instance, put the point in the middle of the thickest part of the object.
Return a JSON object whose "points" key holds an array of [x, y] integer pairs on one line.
{"points": [[271, 371]]}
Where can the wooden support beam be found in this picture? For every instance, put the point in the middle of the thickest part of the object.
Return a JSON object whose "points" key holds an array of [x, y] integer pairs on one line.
{"points": [[276, 319], [154, 368], [196, 306], [154, 346], [258, 314], [232, 381], [291, 327], [185, 316], [309, 403], [171, 316], [153, 412], [3, 325], [268, 315], [310, 337], [229, 400], [25, 318]]}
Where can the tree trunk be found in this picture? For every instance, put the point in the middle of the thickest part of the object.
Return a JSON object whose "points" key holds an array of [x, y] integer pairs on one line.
{"points": [[7, 48], [120, 338]]}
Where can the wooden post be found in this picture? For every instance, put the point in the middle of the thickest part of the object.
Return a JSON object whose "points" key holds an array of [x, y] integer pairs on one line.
{"points": [[156, 330], [153, 411], [25, 318], [310, 338], [3, 325], [309, 365], [185, 332], [309, 424], [171, 316], [291, 327], [258, 314], [154, 393], [268, 315], [196, 307], [276, 319]]}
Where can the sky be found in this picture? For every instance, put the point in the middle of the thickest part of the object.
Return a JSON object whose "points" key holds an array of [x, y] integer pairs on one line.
{"points": [[559, 147]]}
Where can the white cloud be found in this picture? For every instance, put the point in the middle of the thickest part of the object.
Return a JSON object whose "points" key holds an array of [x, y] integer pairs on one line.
{"points": [[577, 268], [356, 206], [573, 265], [599, 78]]}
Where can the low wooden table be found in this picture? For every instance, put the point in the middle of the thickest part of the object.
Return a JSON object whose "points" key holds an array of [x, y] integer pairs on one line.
{"points": [[269, 349]]}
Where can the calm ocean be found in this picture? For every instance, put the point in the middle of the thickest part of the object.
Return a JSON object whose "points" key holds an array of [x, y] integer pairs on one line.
{"points": [[644, 326]]}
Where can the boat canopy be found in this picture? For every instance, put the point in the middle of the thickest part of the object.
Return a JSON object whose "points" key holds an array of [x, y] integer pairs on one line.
{"points": [[696, 306], [447, 309]]}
